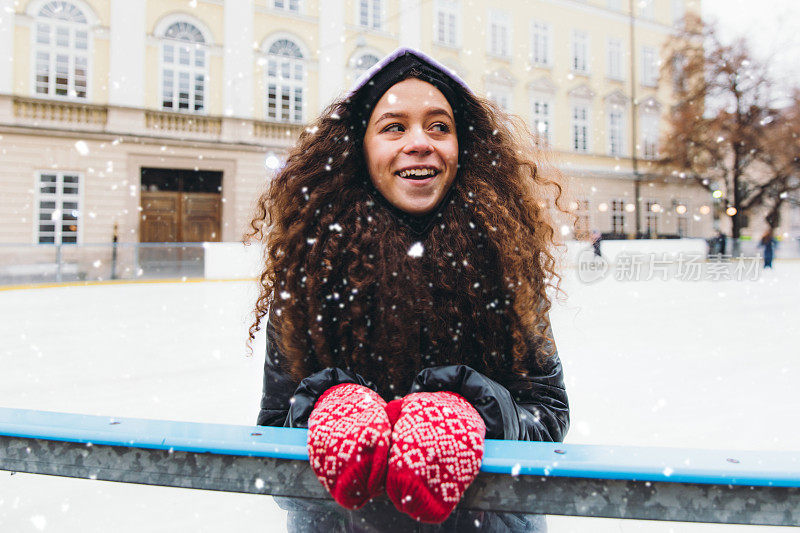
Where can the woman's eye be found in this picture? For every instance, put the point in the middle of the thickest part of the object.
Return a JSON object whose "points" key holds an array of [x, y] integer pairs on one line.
{"points": [[442, 127], [393, 127]]}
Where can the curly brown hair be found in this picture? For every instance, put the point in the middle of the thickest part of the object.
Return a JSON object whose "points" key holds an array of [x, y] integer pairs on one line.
{"points": [[342, 289]]}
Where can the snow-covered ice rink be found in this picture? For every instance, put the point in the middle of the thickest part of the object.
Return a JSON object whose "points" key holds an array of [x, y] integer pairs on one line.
{"points": [[659, 363]]}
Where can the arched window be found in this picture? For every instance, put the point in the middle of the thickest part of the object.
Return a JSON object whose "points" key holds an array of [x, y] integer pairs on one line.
{"points": [[62, 51], [364, 63], [285, 81], [184, 68]]}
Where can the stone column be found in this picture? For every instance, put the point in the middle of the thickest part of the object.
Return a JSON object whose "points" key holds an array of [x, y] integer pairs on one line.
{"points": [[239, 65], [6, 46], [331, 59], [126, 79], [411, 23]]}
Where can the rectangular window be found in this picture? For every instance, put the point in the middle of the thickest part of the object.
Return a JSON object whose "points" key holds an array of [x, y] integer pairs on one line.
{"points": [[369, 14], [199, 89], [287, 5], [580, 51], [499, 34], [285, 103], [614, 59], [540, 43], [499, 95], [59, 214], [615, 132], [617, 216], [62, 75], [80, 77], [679, 64], [272, 98], [542, 119], [446, 22], [580, 128], [42, 72], [43, 33], [649, 124], [649, 66]]}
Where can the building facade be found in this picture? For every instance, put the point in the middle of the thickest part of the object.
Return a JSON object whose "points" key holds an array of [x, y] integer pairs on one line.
{"points": [[165, 118]]}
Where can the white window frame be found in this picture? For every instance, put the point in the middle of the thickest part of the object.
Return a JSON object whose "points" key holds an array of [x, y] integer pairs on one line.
{"points": [[617, 212], [614, 59], [580, 127], [53, 51], [359, 67], [541, 43], [283, 64], [291, 6], [616, 5], [450, 11], [615, 130], [649, 66], [499, 34], [542, 112], [374, 8], [193, 50], [580, 46], [649, 126], [583, 216], [500, 94], [59, 199]]}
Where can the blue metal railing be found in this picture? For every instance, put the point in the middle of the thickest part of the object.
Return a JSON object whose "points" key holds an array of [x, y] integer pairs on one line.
{"points": [[746, 487]]}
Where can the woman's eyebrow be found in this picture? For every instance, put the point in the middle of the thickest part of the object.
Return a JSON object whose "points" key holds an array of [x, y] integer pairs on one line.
{"points": [[428, 112]]}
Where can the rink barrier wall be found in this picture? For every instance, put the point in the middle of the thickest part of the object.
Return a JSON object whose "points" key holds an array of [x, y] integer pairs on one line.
{"points": [[692, 485], [26, 264]]}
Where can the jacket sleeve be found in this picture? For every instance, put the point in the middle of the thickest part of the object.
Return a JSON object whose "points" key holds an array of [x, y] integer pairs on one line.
{"points": [[286, 403], [531, 408]]}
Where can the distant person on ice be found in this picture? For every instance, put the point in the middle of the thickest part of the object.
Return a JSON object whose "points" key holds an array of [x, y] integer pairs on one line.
{"points": [[409, 254], [597, 241], [768, 243]]}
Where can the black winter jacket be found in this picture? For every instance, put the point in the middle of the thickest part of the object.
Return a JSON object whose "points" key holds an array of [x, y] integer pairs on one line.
{"points": [[533, 408], [530, 408]]}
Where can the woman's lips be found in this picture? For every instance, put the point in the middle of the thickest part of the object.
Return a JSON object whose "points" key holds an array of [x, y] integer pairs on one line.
{"points": [[418, 182]]}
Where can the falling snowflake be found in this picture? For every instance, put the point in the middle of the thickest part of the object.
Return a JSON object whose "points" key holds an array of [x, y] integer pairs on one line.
{"points": [[416, 250], [82, 147]]}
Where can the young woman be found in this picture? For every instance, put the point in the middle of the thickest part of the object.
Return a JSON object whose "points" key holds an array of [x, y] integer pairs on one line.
{"points": [[409, 257]]}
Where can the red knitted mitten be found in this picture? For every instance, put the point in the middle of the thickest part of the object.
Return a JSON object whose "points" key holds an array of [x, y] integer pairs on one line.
{"points": [[348, 443], [437, 447]]}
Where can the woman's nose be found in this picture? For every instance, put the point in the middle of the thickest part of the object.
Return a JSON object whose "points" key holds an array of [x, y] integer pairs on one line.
{"points": [[418, 142]]}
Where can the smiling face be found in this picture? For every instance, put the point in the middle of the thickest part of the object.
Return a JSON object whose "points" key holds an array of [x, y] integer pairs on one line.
{"points": [[411, 146]]}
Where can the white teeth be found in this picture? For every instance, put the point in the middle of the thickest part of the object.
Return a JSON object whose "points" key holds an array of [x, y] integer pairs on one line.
{"points": [[417, 172]]}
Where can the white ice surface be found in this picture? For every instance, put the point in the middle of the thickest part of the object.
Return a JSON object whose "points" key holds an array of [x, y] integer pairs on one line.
{"points": [[690, 364]]}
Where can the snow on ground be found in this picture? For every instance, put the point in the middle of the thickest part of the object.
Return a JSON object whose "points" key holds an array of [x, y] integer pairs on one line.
{"points": [[659, 363]]}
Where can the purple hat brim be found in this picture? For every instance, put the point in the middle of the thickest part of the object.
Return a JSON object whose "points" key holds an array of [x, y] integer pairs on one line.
{"points": [[399, 52]]}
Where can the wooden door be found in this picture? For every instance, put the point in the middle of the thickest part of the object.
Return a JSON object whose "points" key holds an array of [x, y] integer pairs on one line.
{"points": [[160, 217], [169, 216], [200, 217]]}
